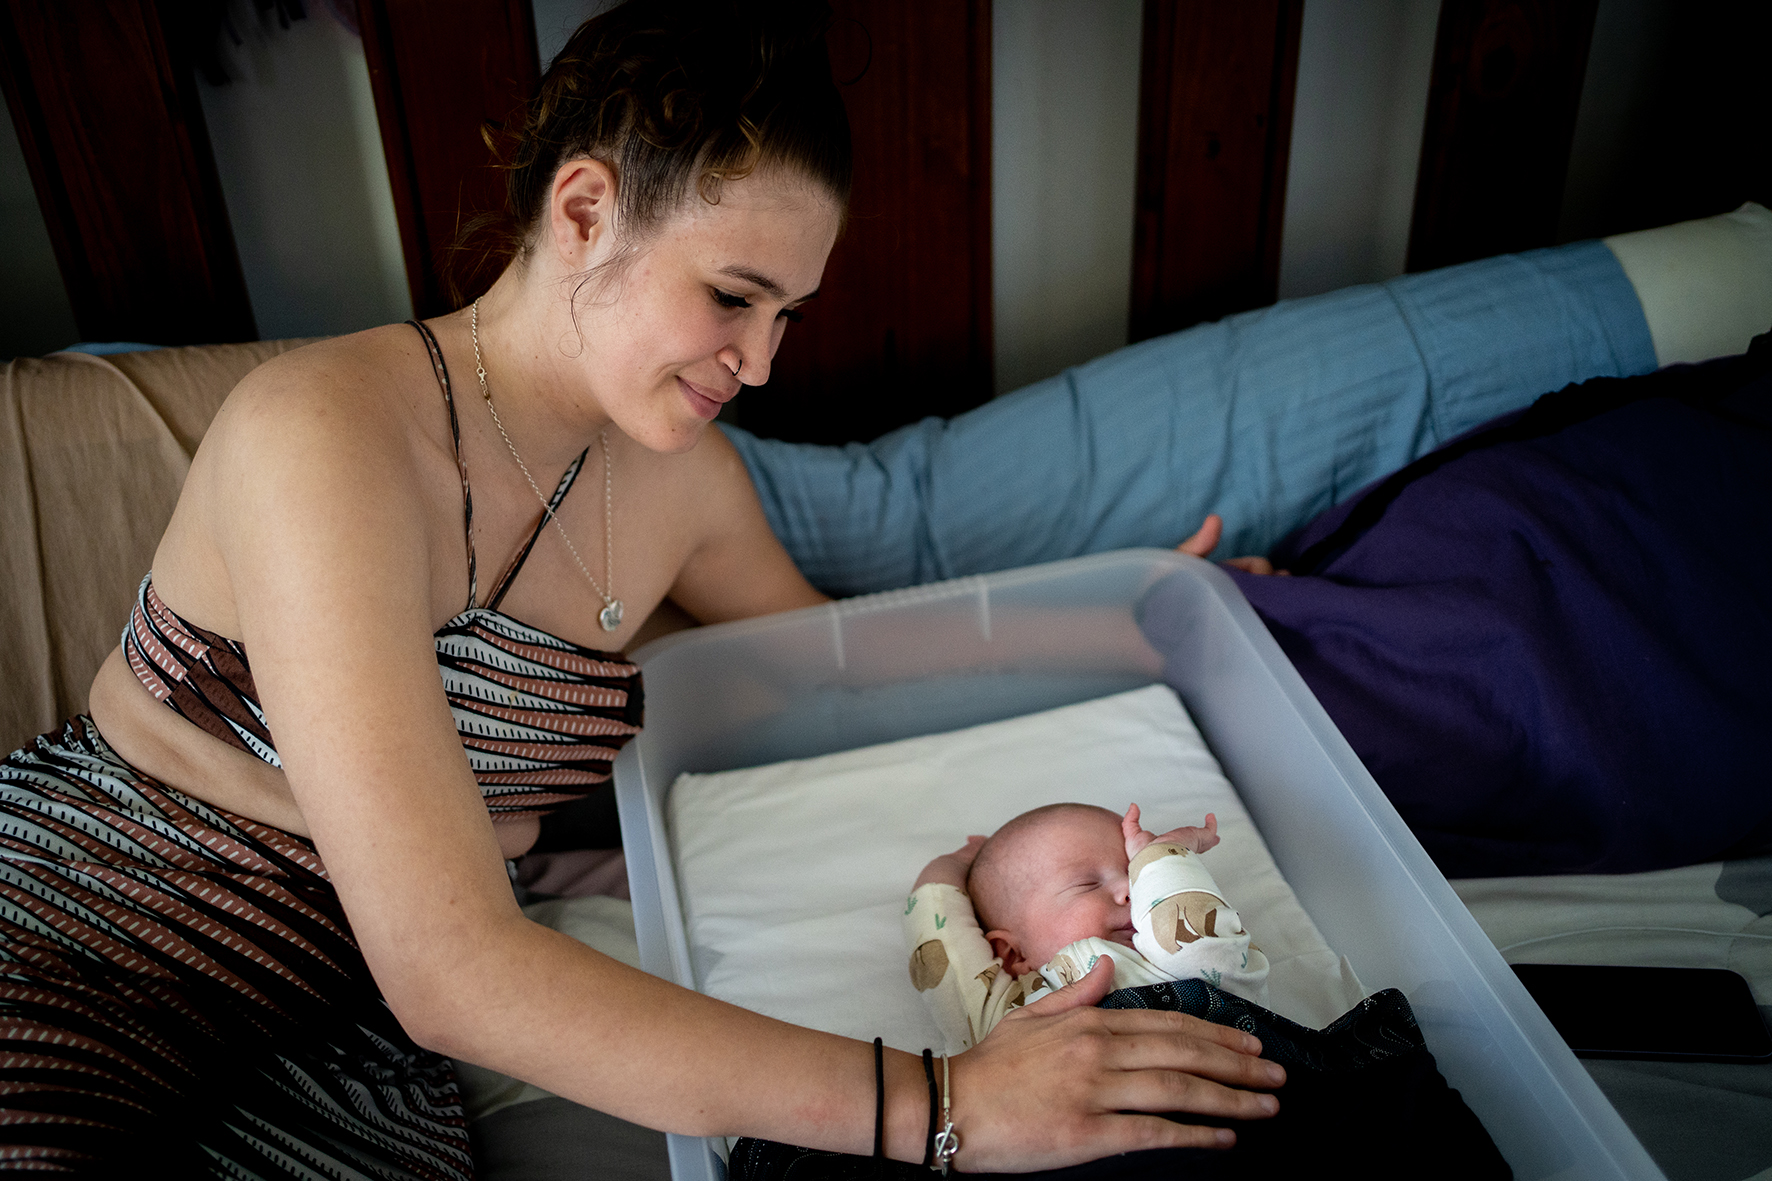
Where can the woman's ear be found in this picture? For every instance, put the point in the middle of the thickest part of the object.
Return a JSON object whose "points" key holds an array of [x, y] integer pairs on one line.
{"points": [[1004, 948], [580, 207]]}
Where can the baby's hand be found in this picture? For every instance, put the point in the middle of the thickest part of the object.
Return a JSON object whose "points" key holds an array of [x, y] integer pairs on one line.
{"points": [[1194, 840], [950, 869]]}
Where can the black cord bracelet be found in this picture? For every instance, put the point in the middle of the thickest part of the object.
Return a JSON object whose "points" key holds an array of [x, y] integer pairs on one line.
{"points": [[934, 1107], [879, 1099]]}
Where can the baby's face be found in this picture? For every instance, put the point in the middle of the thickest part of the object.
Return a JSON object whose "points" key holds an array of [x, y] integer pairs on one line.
{"points": [[1070, 875]]}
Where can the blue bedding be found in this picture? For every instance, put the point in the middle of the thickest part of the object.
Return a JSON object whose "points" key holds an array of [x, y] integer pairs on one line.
{"points": [[1266, 418], [1550, 642]]}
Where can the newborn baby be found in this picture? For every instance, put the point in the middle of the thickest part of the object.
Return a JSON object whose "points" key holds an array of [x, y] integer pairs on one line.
{"points": [[998, 922]]}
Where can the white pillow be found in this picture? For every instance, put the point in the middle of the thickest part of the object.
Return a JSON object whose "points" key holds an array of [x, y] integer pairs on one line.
{"points": [[794, 876], [1705, 285]]}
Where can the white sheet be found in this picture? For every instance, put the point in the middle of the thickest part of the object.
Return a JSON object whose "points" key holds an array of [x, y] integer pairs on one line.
{"points": [[1696, 916], [794, 875]]}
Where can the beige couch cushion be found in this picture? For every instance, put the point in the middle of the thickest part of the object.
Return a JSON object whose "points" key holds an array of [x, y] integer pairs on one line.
{"points": [[93, 451]]}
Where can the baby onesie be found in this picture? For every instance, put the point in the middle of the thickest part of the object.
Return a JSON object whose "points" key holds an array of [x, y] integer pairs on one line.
{"points": [[1183, 929]]}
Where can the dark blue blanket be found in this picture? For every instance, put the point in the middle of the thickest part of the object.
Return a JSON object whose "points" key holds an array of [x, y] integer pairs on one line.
{"points": [[1551, 641], [1369, 1069]]}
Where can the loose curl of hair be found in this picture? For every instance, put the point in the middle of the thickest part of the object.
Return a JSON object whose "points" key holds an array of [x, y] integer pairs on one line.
{"points": [[677, 98]]}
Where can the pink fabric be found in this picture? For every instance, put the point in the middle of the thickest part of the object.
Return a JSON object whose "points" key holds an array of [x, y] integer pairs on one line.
{"points": [[575, 873]]}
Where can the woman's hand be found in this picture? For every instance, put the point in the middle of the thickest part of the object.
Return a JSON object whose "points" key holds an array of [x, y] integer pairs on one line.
{"points": [[1206, 539], [1061, 1081], [950, 869]]}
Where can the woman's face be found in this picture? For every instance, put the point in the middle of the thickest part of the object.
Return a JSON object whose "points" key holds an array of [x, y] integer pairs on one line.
{"points": [[700, 311]]}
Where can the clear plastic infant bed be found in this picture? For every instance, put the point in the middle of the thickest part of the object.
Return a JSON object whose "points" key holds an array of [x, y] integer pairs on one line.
{"points": [[956, 654]]}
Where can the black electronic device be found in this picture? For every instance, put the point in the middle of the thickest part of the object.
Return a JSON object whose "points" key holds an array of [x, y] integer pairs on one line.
{"points": [[1671, 1014]]}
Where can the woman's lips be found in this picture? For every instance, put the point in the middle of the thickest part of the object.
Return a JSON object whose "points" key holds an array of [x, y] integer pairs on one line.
{"points": [[704, 401]]}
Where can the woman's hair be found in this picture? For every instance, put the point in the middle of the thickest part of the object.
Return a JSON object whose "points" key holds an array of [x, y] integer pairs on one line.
{"points": [[678, 97]]}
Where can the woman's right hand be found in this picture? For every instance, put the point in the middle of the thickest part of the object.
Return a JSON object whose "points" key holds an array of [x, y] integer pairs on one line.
{"points": [[1060, 1081]]}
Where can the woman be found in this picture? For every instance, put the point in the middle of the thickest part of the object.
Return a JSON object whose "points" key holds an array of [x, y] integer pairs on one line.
{"points": [[243, 932]]}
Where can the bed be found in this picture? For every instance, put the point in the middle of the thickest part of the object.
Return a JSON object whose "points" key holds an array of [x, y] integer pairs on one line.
{"points": [[1697, 1119]]}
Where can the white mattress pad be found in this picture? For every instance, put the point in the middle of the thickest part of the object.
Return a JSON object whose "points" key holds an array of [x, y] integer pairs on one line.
{"points": [[793, 876]]}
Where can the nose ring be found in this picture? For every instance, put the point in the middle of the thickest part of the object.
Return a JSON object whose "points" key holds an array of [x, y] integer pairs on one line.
{"points": [[738, 366]]}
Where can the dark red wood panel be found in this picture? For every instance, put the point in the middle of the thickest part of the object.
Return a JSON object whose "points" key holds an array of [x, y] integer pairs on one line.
{"points": [[1214, 132], [1501, 114], [441, 70], [106, 110], [902, 325]]}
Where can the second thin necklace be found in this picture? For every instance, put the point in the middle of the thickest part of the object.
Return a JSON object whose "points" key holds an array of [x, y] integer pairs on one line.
{"points": [[610, 616]]}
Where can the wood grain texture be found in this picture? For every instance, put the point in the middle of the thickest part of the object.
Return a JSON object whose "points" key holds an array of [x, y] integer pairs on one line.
{"points": [[1501, 112], [902, 325], [440, 71], [107, 114], [1215, 131]]}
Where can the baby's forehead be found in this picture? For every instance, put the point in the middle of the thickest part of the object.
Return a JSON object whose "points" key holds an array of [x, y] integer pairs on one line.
{"points": [[1059, 830]]}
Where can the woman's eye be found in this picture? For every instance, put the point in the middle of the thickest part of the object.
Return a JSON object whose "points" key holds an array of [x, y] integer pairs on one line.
{"points": [[728, 300], [792, 316]]}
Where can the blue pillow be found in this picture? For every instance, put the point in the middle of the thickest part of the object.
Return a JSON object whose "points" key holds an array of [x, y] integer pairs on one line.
{"points": [[1266, 418], [109, 348]]}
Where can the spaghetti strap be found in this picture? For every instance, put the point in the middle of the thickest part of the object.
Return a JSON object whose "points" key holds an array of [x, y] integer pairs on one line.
{"points": [[541, 522], [467, 495]]}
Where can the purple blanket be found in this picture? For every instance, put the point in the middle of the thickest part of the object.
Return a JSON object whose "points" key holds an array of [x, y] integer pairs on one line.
{"points": [[1551, 640]]}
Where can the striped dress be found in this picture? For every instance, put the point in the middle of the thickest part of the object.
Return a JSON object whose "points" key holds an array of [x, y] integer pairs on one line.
{"points": [[180, 992]]}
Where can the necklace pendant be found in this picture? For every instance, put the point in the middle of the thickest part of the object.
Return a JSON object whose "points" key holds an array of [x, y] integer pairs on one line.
{"points": [[610, 617]]}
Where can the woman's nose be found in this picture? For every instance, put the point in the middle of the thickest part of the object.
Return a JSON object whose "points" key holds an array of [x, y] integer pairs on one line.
{"points": [[754, 350], [732, 359]]}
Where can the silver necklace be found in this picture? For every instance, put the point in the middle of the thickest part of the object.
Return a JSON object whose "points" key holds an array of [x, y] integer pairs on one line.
{"points": [[610, 616]]}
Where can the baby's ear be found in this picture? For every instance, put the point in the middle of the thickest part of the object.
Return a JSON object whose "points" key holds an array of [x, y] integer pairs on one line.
{"points": [[1004, 948]]}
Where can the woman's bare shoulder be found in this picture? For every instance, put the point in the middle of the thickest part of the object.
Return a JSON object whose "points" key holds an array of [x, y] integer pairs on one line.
{"points": [[697, 494], [375, 385], [350, 420], [341, 370], [310, 448]]}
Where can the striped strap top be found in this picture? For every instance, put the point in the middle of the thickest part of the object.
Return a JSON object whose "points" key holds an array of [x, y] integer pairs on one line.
{"points": [[541, 718]]}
